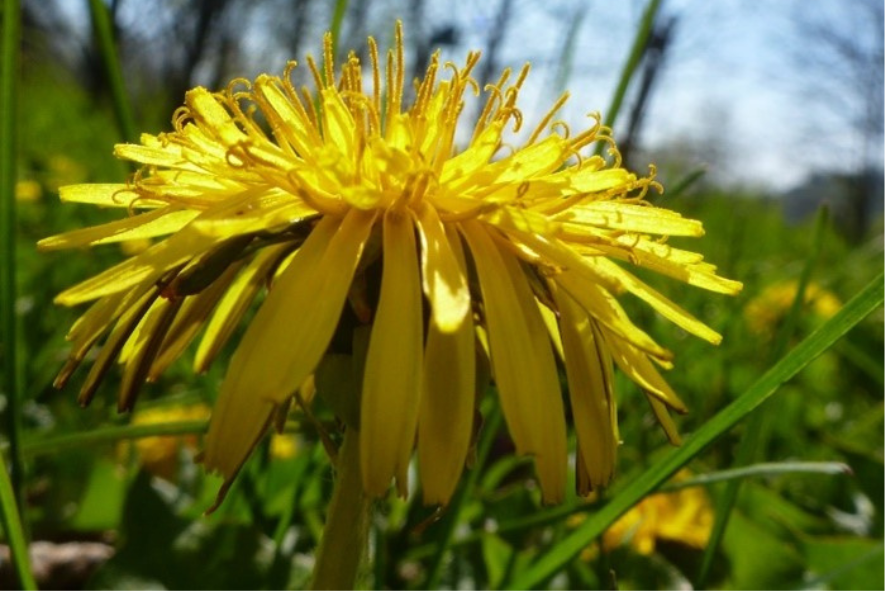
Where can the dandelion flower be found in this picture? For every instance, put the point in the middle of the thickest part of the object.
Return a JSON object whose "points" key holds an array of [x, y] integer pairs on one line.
{"points": [[339, 202], [160, 454], [684, 516], [764, 312]]}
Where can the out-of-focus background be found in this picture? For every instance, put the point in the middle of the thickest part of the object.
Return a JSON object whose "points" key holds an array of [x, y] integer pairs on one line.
{"points": [[757, 115]]}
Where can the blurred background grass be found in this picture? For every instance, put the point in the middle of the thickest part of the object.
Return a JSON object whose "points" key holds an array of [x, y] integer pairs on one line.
{"points": [[130, 508]]}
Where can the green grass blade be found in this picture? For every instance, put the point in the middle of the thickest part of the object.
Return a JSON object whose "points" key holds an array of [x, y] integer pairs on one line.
{"points": [[548, 564], [763, 469], [113, 434], [12, 525], [630, 67], [104, 32], [338, 17], [8, 329], [686, 182], [759, 425]]}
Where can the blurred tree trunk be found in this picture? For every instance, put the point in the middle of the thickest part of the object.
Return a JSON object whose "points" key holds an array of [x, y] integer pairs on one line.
{"points": [[840, 66], [202, 16], [490, 65], [295, 31], [654, 58]]}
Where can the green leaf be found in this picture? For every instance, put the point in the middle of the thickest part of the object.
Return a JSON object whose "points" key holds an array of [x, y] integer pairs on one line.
{"points": [[870, 298], [104, 31], [12, 526], [844, 563]]}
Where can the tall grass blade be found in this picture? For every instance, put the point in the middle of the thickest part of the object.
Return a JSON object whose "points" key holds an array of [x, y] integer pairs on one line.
{"points": [[112, 435], [869, 299], [104, 31], [12, 526], [756, 436], [9, 386], [338, 17]]}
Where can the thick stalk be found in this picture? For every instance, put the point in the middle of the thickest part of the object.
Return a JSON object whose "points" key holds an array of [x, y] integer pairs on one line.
{"points": [[345, 534]]}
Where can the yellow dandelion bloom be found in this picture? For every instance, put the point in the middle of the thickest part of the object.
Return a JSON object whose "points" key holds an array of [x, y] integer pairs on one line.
{"points": [[160, 455], [28, 191], [346, 208], [766, 310], [683, 516]]}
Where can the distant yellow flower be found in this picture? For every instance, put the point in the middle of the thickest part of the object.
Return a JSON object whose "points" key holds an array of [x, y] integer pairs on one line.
{"points": [[765, 311], [160, 455], [684, 516], [283, 446], [27, 191], [322, 196], [63, 171]]}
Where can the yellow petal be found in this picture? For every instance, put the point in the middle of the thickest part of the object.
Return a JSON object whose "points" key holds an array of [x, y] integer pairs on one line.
{"points": [[114, 343], [147, 266], [169, 155], [285, 340], [257, 211], [589, 374], [664, 419], [522, 361], [637, 366], [443, 279], [190, 320], [115, 195], [604, 307], [290, 121], [144, 343], [338, 124], [392, 376], [159, 222], [457, 170], [659, 302], [579, 279], [643, 219], [234, 303], [446, 414], [532, 161], [206, 110]]}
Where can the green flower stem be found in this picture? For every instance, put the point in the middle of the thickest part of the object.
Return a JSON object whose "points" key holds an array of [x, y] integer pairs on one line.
{"points": [[9, 70], [345, 535]]}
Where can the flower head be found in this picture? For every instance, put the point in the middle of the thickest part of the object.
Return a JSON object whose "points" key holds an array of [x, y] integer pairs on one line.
{"points": [[160, 454], [764, 312], [350, 210], [683, 516]]}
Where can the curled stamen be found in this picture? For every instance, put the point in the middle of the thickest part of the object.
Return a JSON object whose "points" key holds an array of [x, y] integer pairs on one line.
{"points": [[180, 118], [231, 89], [495, 96]]}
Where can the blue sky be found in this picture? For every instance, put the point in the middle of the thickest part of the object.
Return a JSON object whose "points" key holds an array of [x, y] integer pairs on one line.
{"points": [[731, 94], [731, 78]]}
